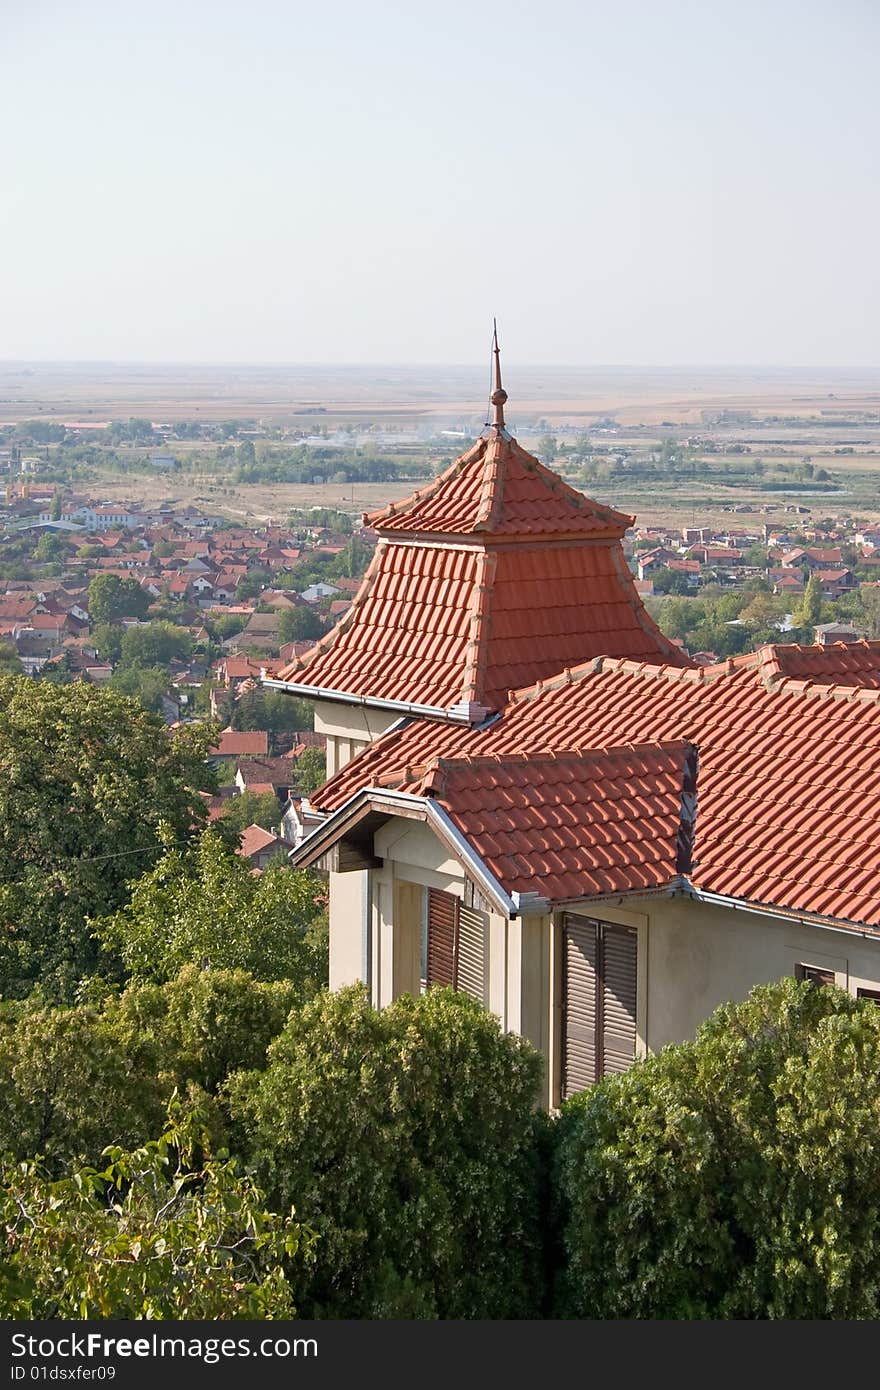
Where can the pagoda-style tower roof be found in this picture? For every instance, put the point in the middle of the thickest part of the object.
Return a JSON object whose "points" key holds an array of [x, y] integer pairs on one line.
{"points": [[496, 575], [497, 490]]}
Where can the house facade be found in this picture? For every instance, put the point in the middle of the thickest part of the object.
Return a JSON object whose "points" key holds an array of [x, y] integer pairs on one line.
{"points": [[536, 798]]}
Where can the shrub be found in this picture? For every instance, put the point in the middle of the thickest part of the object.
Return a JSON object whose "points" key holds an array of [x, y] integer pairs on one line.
{"points": [[408, 1138], [75, 1080], [165, 1231], [737, 1176]]}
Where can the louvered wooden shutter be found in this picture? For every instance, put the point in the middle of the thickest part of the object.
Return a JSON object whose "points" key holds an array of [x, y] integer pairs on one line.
{"points": [[618, 964], [442, 937], [599, 978], [471, 972], [580, 950]]}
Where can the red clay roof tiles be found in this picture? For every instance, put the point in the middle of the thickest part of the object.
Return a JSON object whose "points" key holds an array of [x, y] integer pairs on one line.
{"points": [[434, 625], [498, 489], [620, 824], [788, 778]]}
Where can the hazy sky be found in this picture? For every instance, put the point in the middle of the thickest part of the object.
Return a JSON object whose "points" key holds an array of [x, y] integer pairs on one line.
{"points": [[632, 181]]}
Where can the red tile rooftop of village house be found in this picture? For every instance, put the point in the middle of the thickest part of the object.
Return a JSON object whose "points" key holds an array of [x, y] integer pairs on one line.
{"points": [[789, 768], [254, 839], [496, 575], [252, 744], [613, 821]]}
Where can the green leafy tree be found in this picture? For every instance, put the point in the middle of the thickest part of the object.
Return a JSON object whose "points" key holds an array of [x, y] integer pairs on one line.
{"points": [[408, 1135], [10, 662], [76, 1079], [252, 584], [311, 770], [107, 641], [70, 1086], [166, 1230], [112, 598], [86, 776], [809, 611], [677, 616], [154, 644], [204, 904], [227, 625], [251, 808], [50, 547], [146, 684], [272, 710], [299, 625], [667, 581], [737, 1176]]}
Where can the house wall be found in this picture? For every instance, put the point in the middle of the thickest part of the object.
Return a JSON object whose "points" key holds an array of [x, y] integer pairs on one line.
{"points": [[699, 956], [692, 956], [349, 728], [348, 908]]}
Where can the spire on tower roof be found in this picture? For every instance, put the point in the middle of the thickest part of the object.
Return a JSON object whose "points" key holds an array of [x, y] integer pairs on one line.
{"points": [[499, 395]]}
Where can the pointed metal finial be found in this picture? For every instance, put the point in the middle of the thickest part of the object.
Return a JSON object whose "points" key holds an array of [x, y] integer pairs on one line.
{"points": [[499, 395]]}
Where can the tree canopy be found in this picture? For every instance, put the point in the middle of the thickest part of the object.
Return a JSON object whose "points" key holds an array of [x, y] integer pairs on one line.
{"points": [[112, 598], [86, 776], [166, 1230], [737, 1176], [204, 903], [408, 1135]]}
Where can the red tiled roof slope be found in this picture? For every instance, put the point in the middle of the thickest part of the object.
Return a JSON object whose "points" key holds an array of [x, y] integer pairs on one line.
{"points": [[499, 489], [789, 770], [405, 636], [232, 743], [597, 823], [439, 626], [840, 663]]}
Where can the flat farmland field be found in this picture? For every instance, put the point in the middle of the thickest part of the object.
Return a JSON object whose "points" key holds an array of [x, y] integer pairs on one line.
{"points": [[406, 396]]}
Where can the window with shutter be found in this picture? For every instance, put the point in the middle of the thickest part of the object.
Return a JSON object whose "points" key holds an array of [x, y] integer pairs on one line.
{"points": [[599, 1005], [442, 938], [454, 945], [815, 974], [471, 954], [869, 994]]}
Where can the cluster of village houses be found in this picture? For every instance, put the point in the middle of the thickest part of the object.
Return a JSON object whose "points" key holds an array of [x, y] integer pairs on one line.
{"points": [[200, 563]]}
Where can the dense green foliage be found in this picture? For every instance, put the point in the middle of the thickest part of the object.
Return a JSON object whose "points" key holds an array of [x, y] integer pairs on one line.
{"points": [[408, 1137], [737, 1176], [164, 1231], [154, 644], [311, 770], [86, 776], [76, 1079], [112, 598], [272, 710], [299, 625], [251, 808], [204, 903]]}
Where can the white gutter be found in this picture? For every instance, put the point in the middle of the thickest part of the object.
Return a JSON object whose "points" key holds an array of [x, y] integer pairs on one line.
{"points": [[455, 714]]}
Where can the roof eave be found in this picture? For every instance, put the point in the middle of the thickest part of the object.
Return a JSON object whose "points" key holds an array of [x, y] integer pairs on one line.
{"points": [[390, 802], [464, 712]]}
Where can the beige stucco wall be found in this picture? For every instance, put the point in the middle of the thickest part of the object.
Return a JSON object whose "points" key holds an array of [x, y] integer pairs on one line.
{"points": [[694, 956], [347, 907], [691, 956], [699, 956], [349, 728]]}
